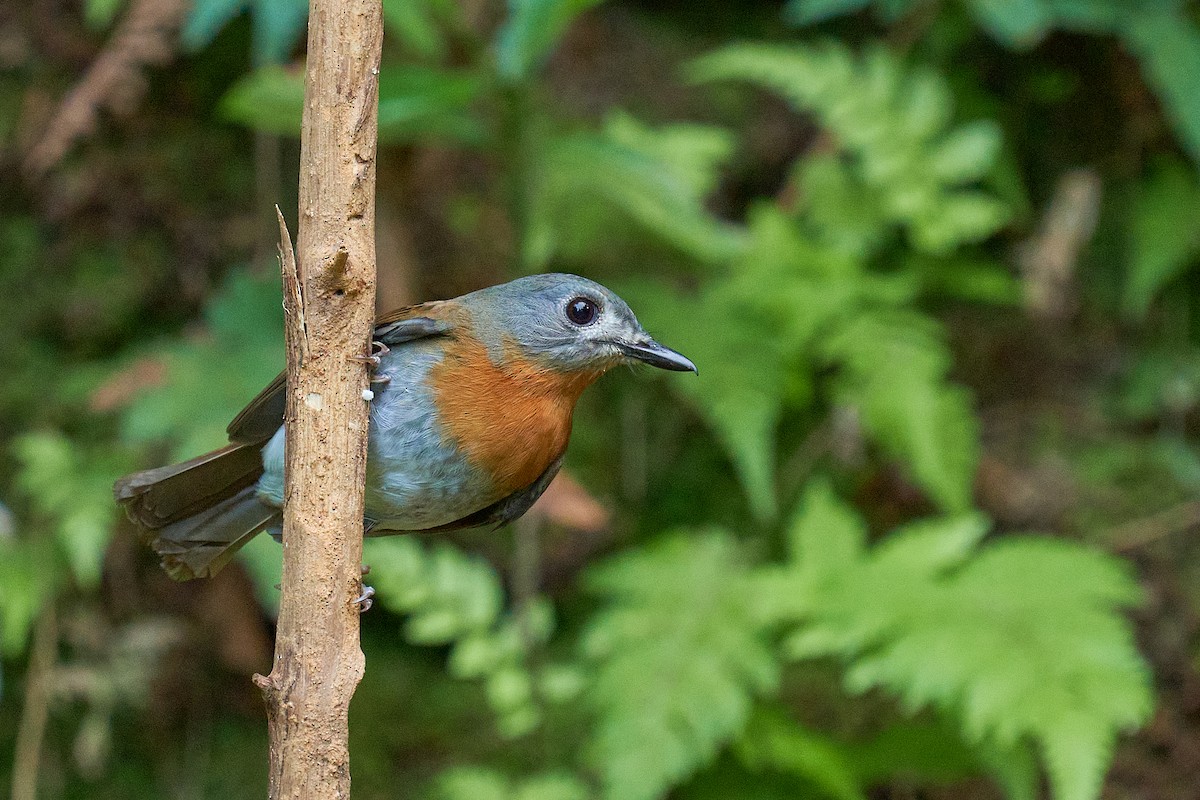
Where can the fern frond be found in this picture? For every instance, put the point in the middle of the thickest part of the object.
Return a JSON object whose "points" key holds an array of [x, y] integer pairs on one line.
{"points": [[677, 660], [1022, 640], [894, 365], [658, 178], [454, 599], [895, 124]]}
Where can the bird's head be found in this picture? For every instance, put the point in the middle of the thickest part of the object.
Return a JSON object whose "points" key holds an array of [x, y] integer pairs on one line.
{"points": [[567, 323]]}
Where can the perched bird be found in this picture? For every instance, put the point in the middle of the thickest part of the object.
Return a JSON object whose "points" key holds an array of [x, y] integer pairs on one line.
{"points": [[469, 422]]}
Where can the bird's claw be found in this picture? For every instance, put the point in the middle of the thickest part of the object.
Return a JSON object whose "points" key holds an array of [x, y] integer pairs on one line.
{"points": [[372, 361], [364, 601], [378, 350]]}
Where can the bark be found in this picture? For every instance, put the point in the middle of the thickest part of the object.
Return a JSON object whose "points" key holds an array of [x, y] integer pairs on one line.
{"points": [[329, 299]]}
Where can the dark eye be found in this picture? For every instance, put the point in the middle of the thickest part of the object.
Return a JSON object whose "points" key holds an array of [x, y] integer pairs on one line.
{"points": [[581, 311]]}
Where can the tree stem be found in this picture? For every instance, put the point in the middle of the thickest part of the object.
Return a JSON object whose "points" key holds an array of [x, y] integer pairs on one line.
{"points": [[329, 300]]}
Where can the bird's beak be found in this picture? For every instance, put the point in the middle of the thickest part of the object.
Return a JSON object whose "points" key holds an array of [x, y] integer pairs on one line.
{"points": [[656, 355]]}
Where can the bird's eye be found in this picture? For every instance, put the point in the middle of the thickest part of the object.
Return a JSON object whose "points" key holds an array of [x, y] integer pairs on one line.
{"points": [[581, 311]]}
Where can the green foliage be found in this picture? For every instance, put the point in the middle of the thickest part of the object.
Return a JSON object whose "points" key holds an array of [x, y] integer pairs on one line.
{"points": [[907, 168], [588, 184], [1167, 43], [69, 521], [29, 575], [825, 310], [201, 394], [746, 376], [1164, 234], [99, 14], [415, 103], [473, 783], [420, 24], [773, 742], [530, 32], [810, 314], [676, 664], [72, 490], [911, 168], [1163, 36], [1021, 639], [453, 599], [277, 24], [893, 370], [922, 752], [270, 99]]}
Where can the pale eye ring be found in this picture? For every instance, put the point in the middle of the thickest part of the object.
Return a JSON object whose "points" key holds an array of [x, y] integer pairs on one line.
{"points": [[581, 311]]}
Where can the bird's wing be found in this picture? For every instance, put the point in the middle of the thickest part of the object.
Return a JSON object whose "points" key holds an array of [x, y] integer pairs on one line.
{"points": [[259, 420]]}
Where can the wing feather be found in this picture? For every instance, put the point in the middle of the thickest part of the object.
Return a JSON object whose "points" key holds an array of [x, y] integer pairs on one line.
{"points": [[259, 420]]}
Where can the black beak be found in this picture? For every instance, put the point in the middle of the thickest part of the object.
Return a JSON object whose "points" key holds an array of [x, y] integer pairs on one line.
{"points": [[656, 355]]}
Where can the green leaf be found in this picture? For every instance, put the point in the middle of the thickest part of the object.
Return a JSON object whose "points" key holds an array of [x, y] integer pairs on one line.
{"points": [[552, 786], [904, 162], [427, 103], [825, 535], [206, 19], [811, 12], [657, 178], [99, 14], [531, 31], [740, 398], [473, 783], [269, 99], [966, 153], [1017, 24], [1168, 48], [894, 367], [414, 23], [1021, 640], [72, 488], [454, 599], [277, 25], [929, 752], [414, 103], [210, 378], [676, 661], [1164, 235], [30, 577], [771, 741], [477, 783]]}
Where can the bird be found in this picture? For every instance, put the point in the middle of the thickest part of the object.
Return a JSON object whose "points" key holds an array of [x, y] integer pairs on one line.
{"points": [[470, 416]]}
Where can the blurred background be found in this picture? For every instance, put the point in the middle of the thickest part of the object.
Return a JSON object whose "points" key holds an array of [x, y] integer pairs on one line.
{"points": [[924, 527]]}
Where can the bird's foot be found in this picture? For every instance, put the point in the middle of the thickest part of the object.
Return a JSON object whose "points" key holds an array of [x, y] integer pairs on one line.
{"points": [[378, 350], [364, 601]]}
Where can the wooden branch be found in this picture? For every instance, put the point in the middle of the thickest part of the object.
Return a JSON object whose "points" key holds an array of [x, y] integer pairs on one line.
{"points": [[329, 298]]}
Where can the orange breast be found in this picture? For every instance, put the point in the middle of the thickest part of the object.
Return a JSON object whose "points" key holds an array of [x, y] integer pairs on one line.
{"points": [[511, 420]]}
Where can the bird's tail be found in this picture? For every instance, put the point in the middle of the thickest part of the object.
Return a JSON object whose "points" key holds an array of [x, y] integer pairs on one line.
{"points": [[197, 514]]}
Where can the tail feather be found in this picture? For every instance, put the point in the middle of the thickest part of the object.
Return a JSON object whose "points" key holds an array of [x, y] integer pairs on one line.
{"points": [[197, 514], [199, 546], [160, 496]]}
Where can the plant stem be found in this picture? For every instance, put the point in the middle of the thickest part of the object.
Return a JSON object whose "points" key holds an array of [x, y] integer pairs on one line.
{"points": [[32, 728]]}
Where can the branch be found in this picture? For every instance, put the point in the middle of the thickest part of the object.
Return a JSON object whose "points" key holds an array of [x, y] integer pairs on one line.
{"points": [[145, 37], [329, 296]]}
